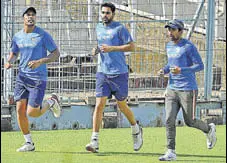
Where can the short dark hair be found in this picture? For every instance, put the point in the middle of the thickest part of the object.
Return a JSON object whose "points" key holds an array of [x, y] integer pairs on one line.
{"points": [[110, 5]]}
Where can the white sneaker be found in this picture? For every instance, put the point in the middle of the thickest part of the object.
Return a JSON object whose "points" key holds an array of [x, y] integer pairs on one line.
{"points": [[138, 139], [170, 155], [211, 136], [55, 108], [93, 146], [27, 147]]}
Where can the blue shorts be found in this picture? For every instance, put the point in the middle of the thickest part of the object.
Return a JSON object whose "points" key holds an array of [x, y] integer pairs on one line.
{"points": [[33, 90], [108, 85]]}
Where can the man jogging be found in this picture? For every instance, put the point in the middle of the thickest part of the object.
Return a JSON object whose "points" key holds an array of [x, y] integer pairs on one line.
{"points": [[32, 43], [182, 91], [112, 74]]}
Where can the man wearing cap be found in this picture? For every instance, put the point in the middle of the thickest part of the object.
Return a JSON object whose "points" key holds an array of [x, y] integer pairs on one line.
{"points": [[183, 62], [32, 43]]}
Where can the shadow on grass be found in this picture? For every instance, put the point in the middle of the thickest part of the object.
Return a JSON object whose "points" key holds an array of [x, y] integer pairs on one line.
{"points": [[132, 153]]}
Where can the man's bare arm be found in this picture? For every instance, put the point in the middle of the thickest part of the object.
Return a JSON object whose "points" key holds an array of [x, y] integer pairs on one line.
{"points": [[12, 58], [124, 48], [50, 58]]}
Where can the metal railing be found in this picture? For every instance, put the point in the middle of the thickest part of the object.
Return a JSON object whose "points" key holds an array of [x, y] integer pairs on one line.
{"points": [[72, 25]]}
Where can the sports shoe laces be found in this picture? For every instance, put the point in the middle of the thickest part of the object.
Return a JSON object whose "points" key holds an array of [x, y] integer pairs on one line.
{"points": [[135, 136], [169, 154], [28, 143], [55, 97]]}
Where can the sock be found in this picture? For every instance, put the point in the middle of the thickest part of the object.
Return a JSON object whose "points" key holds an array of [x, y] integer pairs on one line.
{"points": [[95, 136], [171, 150], [135, 129], [50, 102], [28, 138]]}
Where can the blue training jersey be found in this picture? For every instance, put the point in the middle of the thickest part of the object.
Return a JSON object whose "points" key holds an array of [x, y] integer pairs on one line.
{"points": [[184, 55], [115, 34], [33, 46]]}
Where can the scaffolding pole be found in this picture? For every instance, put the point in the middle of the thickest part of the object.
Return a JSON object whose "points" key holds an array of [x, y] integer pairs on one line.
{"points": [[209, 55], [195, 20]]}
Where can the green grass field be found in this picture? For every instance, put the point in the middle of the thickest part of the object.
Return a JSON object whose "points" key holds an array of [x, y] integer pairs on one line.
{"points": [[68, 146]]}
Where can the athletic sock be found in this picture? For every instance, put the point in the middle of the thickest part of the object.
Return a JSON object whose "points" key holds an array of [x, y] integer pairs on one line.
{"points": [[135, 129], [171, 150], [95, 136], [28, 138]]}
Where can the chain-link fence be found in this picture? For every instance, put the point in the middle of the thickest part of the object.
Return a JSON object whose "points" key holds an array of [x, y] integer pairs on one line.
{"points": [[72, 25]]}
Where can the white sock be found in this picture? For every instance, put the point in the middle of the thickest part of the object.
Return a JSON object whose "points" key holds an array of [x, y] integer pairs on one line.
{"points": [[171, 150], [28, 138], [95, 135], [50, 102], [135, 129]]}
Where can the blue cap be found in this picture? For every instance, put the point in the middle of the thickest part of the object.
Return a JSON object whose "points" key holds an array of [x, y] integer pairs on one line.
{"points": [[25, 10], [175, 24]]}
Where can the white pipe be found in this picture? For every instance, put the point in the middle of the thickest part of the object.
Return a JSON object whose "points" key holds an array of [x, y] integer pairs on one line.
{"points": [[174, 9], [163, 9], [49, 9], [132, 3], [100, 2], [89, 18]]}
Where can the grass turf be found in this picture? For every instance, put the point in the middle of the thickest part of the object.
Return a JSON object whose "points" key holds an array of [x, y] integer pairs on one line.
{"points": [[68, 146]]}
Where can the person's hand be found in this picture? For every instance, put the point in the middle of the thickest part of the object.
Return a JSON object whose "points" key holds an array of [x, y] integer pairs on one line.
{"points": [[95, 51], [8, 65], [161, 73], [105, 48], [175, 70], [34, 64]]}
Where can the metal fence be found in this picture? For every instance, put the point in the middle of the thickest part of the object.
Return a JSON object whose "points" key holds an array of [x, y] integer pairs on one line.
{"points": [[72, 25]]}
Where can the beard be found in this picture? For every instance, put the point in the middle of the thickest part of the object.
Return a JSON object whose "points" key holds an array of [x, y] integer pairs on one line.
{"points": [[174, 39], [105, 20]]}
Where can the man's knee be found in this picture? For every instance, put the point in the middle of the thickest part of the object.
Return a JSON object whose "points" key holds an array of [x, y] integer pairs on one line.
{"points": [[33, 112], [123, 106], [189, 123]]}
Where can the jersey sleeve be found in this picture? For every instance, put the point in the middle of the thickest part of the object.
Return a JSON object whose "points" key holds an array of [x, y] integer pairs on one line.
{"points": [[14, 48], [193, 54], [49, 42], [125, 35]]}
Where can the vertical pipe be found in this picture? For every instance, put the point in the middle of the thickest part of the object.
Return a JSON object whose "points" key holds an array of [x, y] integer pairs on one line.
{"points": [[49, 10], [224, 112], [89, 18], [132, 4], [59, 60], [209, 49], [163, 9], [100, 2], [6, 20], [8, 73], [174, 9], [2, 48]]}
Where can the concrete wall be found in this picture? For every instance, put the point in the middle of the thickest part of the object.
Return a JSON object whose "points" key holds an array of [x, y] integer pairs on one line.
{"points": [[149, 114]]}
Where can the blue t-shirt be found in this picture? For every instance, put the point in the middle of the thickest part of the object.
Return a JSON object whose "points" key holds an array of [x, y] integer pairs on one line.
{"points": [[33, 46], [184, 55], [115, 34]]}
